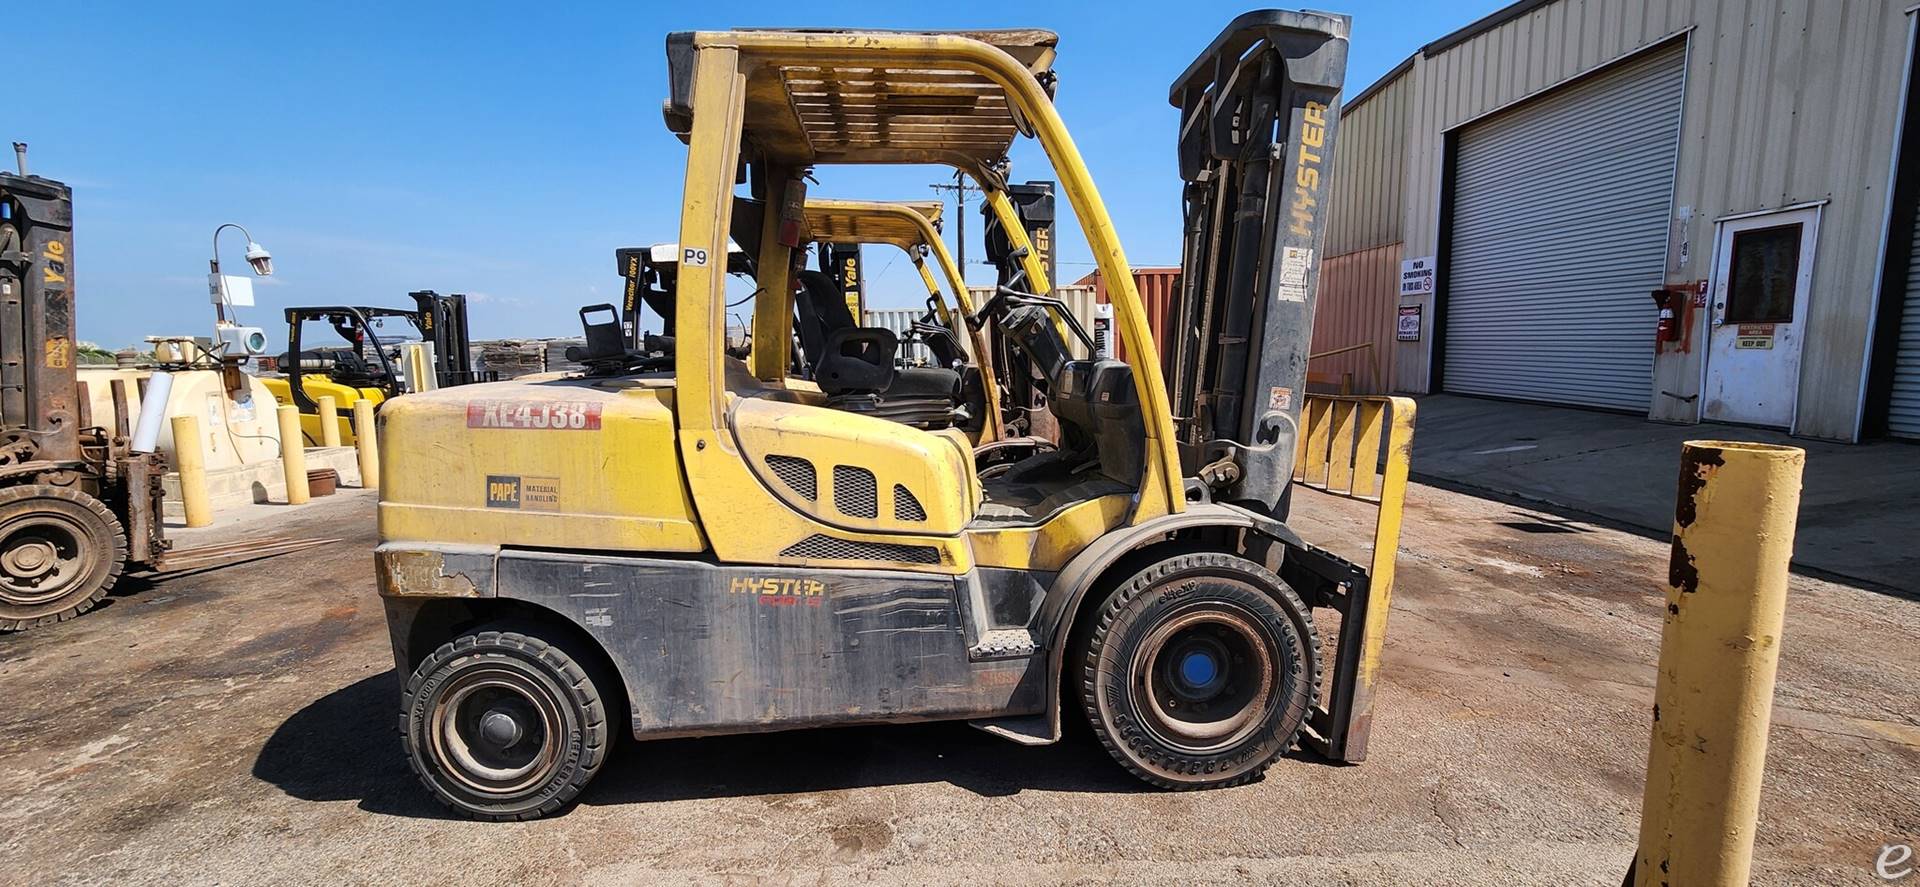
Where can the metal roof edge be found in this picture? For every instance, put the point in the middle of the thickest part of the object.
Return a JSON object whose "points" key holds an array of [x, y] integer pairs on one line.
{"points": [[1484, 24], [1376, 86]]}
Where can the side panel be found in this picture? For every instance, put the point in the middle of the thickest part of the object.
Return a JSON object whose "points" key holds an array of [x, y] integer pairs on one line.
{"points": [[709, 649], [539, 464]]}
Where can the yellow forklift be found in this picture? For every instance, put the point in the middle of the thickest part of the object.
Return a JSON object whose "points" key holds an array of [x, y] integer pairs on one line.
{"points": [[837, 229], [699, 544], [365, 365]]}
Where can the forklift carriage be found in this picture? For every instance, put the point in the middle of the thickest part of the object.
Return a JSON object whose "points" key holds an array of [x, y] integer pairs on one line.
{"points": [[701, 544]]}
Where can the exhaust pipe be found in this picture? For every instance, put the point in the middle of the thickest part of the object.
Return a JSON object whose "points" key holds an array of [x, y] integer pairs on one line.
{"points": [[20, 157]]}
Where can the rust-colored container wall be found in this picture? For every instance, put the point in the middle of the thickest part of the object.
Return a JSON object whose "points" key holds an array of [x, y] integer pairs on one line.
{"points": [[1358, 296], [1157, 287]]}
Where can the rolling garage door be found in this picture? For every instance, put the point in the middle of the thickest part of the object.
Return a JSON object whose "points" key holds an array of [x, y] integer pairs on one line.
{"points": [[1559, 234], [1903, 412]]}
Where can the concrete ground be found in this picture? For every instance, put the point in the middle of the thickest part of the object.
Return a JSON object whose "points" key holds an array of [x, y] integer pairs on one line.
{"points": [[237, 726], [1859, 510]]}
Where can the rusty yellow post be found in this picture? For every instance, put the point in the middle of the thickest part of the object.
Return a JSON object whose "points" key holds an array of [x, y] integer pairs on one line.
{"points": [[365, 446], [192, 462], [329, 421], [1720, 646], [293, 455]]}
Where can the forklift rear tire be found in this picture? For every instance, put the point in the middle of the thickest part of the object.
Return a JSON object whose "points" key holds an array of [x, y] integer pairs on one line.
{"points": [[504, 726], [1200, 671], [60, 551]]}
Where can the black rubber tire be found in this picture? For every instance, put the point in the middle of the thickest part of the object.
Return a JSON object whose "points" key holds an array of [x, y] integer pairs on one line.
{"points": [[102, 545], [572, 688], [1180, 587]]}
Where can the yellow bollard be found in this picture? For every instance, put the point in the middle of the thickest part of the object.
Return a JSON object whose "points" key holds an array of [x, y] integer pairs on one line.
{"points": [[365, 444], [329, 421], [1719, 649], [293, 455], [193, 471]]}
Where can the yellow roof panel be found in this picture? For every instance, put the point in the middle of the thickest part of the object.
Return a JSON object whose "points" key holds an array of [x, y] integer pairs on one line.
{"points": [[862, 221], [821, 96]]}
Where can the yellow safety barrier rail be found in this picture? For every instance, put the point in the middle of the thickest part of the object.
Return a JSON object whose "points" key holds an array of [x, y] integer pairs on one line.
{"points": [[1357, 448]]}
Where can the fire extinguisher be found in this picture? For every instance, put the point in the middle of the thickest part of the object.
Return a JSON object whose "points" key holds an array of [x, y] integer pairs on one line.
{"points": [[1669, 327]]}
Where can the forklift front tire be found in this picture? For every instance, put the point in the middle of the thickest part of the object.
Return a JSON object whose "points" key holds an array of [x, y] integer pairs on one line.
{"points": [[60, 551], [504, 726], [1200, 670]]}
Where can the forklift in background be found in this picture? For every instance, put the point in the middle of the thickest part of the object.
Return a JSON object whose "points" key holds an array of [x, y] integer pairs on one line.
{"points": [[953, 390], [77, 505], [366, 366], [703, 545]]}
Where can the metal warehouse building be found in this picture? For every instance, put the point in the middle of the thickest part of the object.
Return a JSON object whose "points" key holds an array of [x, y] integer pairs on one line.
{"points": [[1509, 200]]}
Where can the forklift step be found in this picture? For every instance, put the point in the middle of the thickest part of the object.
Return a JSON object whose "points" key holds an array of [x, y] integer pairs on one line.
{"points": [[1004, 643]]}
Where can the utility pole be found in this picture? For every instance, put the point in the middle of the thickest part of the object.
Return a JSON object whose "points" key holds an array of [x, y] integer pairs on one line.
{"points": [[959, 189]]}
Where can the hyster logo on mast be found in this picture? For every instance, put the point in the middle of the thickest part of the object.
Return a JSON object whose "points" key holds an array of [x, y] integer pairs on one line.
{"points": [[1306, 171]]}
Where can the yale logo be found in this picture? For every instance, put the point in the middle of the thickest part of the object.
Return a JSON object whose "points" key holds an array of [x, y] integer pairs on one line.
{"points": [[503, 491], [1306, 173]]}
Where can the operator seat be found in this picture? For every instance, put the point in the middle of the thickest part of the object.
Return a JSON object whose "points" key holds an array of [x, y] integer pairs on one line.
{"points": [[854, 365]]}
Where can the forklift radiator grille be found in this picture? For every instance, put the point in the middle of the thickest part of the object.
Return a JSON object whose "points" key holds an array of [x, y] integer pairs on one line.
{"points": [[855, 492], [797, 473], [905, 507], [822, 547]]}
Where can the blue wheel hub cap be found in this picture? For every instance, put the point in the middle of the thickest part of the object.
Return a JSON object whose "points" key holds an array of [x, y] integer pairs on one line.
{"points": [[1198, 668]]}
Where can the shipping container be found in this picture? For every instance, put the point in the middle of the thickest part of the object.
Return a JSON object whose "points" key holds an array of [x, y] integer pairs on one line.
{"points": [[1157, 288]]}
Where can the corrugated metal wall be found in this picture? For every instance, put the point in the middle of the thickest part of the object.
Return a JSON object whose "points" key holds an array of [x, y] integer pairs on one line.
{"points": [[1356, 307], [1359, 276], [900, 321], [1787, 101], [1369, 169]]}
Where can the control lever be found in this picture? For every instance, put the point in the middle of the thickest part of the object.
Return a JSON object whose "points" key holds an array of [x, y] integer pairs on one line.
{"points": [[1007, 294]]}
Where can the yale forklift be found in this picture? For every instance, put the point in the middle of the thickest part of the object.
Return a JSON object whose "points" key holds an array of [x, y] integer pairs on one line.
{"points": [[363, 366], [709, 545], [77, 505]]}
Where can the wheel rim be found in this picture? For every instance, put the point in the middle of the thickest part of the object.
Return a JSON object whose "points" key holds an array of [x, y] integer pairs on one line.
{"points": [[1204, 679], [43, 557], [495, 730]]}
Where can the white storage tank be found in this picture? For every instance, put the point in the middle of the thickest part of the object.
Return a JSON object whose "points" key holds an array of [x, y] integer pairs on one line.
{"points": [[238, 427]]}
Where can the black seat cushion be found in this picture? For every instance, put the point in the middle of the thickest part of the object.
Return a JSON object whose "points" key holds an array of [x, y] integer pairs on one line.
{"points": [[924, 382]]}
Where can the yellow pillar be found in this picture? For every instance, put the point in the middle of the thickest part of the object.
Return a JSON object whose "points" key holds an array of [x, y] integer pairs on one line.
{"points": [[293, 455], [192, 463], [365, 446], [329, 421], [1719, 648]]}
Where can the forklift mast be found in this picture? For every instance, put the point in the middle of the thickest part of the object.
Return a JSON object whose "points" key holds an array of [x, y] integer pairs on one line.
{"points": [[442, 320], [649, 284], [841, 261], [1258, 110], [39, 399], [1034, 205]]}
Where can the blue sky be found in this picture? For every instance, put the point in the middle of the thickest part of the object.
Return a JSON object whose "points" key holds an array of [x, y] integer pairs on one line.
{"points": [[506, 150]]}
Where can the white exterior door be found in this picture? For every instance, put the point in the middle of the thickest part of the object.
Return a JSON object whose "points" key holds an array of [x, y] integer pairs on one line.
{"points": [[1762, 277]]}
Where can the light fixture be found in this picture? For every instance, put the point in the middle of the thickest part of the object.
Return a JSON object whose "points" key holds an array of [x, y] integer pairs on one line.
{"points": [[223, 305], [260, 259]]}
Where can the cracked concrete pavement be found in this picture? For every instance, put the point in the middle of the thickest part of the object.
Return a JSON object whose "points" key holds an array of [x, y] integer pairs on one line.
{"points": [[237, 726]]}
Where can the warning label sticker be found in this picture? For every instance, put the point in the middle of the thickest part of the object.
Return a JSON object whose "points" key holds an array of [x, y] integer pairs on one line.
{"points": [[1294, 263]]}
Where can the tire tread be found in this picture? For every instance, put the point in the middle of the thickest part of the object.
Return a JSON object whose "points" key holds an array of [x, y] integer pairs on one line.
{"points": [[1148, 579], [576, 682]]}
